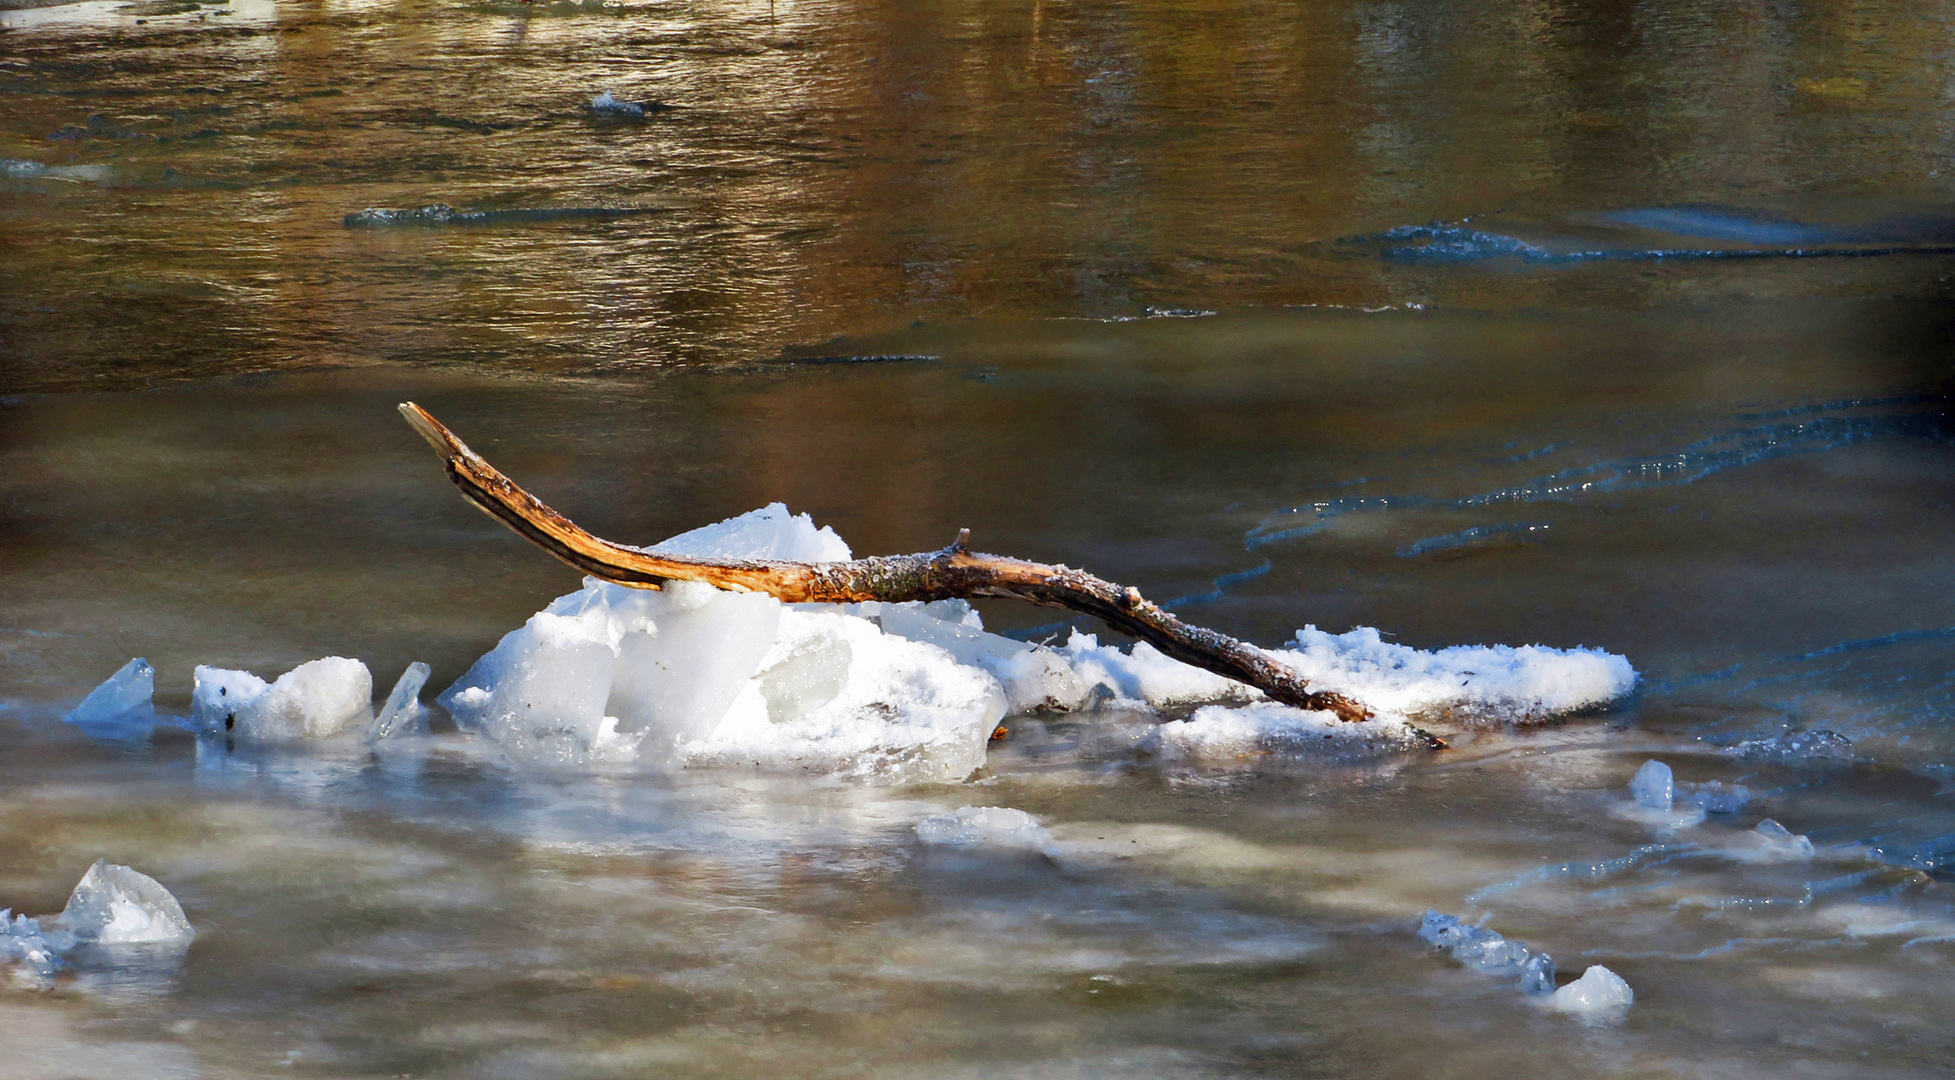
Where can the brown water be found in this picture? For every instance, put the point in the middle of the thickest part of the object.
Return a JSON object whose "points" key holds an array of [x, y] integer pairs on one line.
{"points": [[1677, 389]]}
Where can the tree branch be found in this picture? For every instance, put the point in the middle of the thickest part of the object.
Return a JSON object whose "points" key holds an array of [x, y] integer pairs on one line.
{"points": [[956, 572]]}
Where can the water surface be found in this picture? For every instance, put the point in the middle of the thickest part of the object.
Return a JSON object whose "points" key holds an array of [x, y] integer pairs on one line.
{"points": [[1618, 327]]}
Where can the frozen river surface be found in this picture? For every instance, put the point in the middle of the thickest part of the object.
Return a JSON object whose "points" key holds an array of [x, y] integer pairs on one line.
{"points": [[1624, 328]]}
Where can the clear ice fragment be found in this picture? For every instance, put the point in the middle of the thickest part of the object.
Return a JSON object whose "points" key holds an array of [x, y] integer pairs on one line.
{"points": [[1598, 993], [985, 826], [1780, 844], [114, 905], [129, 689], [1654, 786], [403, 714], [1537, 975]]}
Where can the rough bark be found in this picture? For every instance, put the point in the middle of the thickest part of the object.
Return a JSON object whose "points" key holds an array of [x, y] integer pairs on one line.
{"points": [[955, 572]]}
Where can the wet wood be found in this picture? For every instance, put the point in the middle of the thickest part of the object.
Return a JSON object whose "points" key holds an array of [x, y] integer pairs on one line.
{"points": [[955, 572]]}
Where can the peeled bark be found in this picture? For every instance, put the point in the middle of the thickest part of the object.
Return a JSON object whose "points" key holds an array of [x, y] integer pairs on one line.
{"points": [[955, 572]]}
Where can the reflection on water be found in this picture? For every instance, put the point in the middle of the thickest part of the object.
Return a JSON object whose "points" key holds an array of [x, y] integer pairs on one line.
{"points": [[1618, 325]]}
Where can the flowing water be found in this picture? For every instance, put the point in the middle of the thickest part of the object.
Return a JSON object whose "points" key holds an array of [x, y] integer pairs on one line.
{"points": [[1611, 325]]}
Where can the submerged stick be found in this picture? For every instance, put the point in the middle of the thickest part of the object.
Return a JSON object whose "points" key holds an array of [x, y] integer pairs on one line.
{"points": [[956, 572]]}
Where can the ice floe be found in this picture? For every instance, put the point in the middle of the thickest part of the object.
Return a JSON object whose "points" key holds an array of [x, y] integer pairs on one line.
{"points": [[1598, 994], [403, 714], [317, 699], [1500, 682], [112, 907], [996, 827], [1655, 804], [690, 676], [109, 707]]}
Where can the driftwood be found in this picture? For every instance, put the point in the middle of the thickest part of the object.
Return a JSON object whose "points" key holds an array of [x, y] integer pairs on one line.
{"points": [[956, 572]]}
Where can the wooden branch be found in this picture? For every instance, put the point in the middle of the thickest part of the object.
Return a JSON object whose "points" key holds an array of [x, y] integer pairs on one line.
{"points": [[956, 572]]}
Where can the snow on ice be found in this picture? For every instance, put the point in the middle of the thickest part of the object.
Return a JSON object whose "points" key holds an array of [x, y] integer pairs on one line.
{"points": [[693, 676], [316, 699]]}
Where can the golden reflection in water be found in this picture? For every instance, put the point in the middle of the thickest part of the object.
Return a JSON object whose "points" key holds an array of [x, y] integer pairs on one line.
{"points": [[842, 168]]}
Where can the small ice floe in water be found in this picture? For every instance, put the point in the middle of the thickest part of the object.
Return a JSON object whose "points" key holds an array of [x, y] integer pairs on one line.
{"points": [[1770, 842], [403, 714], [1818, 744], [985, 827], [1217, 732], [314, 700], [107, 709], [692, 676], [606, 105], [1487, 952], [30, 953], [1598, 994], [1497, 682], [114, 905], [1654, 788]]}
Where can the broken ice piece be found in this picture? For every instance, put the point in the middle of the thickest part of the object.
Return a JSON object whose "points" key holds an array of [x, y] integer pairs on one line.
{"points": [[316, 699], [403, 714], [32, 953], [129, 689], [1654, 785], [1486, 951], [1598, 993], [1772, 842], [985, 826], [1537, 975], [114, 905]]}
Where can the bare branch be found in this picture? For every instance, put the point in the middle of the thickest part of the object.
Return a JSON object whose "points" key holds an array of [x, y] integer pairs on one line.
{"points": [[955, 572]]}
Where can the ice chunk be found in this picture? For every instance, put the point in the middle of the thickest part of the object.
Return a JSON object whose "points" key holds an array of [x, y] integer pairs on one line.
{"points": [[114, 905], [904, 711], [312, 701], [540, 693], [403, 714], [31, 954], [1485, 951], [219, 696], [676, 682], [1598, 993], [767, 534], [1771, 842], [1818, 744], [129, 689], [1034, 677], [1537, 975], [985, 826], [1218, 732], [1518, 684], [1654, 785], [605, 104]]}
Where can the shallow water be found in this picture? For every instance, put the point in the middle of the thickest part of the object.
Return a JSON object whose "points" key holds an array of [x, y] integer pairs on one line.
{"points": [[1136, 288]]}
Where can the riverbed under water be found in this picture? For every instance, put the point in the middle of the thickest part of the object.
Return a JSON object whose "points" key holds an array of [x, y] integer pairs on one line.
{"points": [[1483, 323]]}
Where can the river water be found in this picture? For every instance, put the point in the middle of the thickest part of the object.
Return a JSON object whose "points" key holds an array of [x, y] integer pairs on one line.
{"points": [[1623, 326]]}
